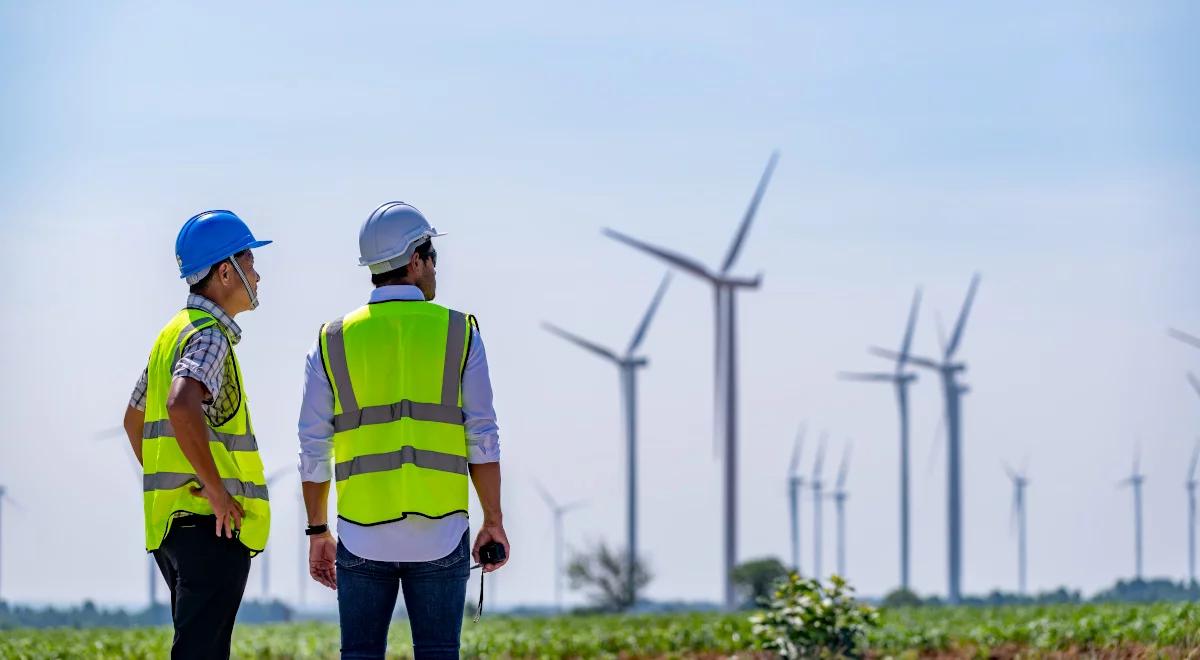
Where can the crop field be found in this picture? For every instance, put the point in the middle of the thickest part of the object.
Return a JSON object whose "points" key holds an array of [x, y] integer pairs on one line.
{"points": [[1167, 630]]}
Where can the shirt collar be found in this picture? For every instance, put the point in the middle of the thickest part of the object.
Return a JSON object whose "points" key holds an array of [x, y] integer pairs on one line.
{"points": [[396, 292], [204, 304]]}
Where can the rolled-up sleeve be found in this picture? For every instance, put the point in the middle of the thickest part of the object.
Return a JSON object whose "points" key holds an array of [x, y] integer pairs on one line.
{"points": [[479, 413], [315, 426]]}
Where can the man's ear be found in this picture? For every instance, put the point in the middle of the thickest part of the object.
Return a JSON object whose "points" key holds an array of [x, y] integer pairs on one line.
{"points": [[413, 260]]}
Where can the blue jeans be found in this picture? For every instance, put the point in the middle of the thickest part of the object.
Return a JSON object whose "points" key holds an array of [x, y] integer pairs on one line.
{"points": [[434, 595]]}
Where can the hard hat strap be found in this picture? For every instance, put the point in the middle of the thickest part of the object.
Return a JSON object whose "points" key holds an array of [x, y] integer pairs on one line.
{"points": [[245, 282]]}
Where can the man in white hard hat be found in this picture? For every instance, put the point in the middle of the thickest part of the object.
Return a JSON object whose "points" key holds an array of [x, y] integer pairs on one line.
{"points": [[397, 409]]}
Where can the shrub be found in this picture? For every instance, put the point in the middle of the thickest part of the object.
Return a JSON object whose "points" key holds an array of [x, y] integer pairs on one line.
{"points": [[807, 619]]}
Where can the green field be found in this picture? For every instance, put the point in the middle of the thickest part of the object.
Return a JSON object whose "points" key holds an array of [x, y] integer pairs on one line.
{"points": [[1173, 629]]}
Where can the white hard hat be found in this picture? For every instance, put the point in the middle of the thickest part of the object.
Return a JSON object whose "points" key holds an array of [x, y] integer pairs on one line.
{"points": [[389, 237]]}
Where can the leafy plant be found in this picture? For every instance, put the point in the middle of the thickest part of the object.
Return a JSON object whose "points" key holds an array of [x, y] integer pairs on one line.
{"points": [[806, 618]]}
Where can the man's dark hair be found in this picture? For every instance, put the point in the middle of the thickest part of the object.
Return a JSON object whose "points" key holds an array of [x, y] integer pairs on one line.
{"points": [[199, 287], [397, 275]]}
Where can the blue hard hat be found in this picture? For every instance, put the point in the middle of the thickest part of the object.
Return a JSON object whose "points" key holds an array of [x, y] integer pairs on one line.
{"points": [[211, 237]]}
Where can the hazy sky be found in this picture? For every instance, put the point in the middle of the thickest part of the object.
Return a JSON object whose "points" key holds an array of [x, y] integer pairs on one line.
{"points": [[1053, 149]]}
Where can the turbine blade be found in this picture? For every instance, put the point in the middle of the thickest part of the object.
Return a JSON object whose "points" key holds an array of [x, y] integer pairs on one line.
{"points": [[845, 465], [941, 330], [906, 343], [641, 331], [1194, 381], [675, 259], [1192, 465], [816, 473], [110, 432], [938, 438], [797, 448], [581, 342], [1184, 337], [872, 377], [744, 228], [277, 474], [1009, 471], [545, 495], [962, 317], [567, 508], [893, 355]]}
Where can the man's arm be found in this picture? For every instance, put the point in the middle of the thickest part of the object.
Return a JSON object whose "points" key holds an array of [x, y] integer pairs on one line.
{"points": [[483, 445], [134, 421], [191, 432], [486, 477], [315, 431]]}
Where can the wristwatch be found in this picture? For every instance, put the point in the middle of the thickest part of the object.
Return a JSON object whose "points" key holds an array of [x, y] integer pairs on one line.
{"points": [[313, 530]]}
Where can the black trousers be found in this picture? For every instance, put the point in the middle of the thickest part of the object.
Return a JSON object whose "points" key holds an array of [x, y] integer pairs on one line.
{"points": [[207, 576]]}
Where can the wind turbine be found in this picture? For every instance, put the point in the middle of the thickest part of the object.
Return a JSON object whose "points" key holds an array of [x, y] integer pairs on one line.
{"points": [[815, 482], [839, 496], [1019, 480], [900, 380], [627, 365], [1194, 382], [266, 556], [949, 371], [795, 482], [1135, 480], [558, 510], [4, 497], [725, 289], [152, 573], [1190, 485]]}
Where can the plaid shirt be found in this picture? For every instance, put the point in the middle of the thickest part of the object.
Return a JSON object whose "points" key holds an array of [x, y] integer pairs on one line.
{"points": [[204, 359]]}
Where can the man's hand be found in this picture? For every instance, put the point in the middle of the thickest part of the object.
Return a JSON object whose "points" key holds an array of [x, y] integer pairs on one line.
{"points": [[322, 554], [491, 531], [229, 513]]}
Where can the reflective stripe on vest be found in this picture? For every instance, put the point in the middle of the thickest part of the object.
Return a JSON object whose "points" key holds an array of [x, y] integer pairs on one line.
{"points": [[173, 480], [232, 441]]}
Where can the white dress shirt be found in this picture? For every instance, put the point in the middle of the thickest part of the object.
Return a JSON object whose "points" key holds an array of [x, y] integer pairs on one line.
{"points": [[414, 538]]}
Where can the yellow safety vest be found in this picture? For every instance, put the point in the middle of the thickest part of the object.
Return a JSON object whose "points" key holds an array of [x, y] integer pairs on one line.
{"points": [[168, 476], [399, 444]]}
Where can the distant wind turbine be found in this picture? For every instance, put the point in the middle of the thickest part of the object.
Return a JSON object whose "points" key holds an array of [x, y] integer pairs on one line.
{"points": [[795, 482], [558, 511], [839, 496], [815, 483], [627, 365], [4, 497], [153, 576], [900, 380], [1019, 480], [1190, 485], [725, 288], [949, 370], [1134, 481], [265, 557]]}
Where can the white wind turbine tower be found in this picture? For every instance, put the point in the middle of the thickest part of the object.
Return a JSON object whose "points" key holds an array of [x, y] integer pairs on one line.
{"points": [[725, 287], [153, 576], [815, 483], [627, 365], [1019, 481], [839, 496], [265, 557], [1134, 481], [4, 497], [795, 482], [558, 511], [901, 380], [1190, 485]]}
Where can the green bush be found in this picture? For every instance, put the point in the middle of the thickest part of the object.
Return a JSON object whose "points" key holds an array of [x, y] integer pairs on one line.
{"points": [[808, 619]]}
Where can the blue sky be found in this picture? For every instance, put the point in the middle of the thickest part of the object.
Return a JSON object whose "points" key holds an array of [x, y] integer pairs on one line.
{"points": [[1050, 148]]}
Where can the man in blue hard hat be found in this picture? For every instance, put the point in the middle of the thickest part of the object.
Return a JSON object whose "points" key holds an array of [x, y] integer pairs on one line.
{"points": [[188, 421]]}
